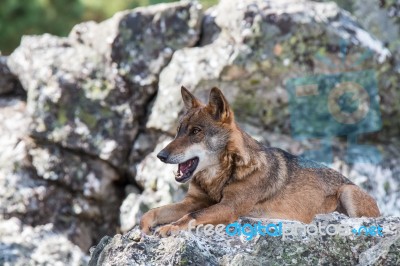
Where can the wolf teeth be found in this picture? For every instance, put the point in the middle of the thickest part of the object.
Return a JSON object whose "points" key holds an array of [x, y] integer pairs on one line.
{"points": [[178, 174]]}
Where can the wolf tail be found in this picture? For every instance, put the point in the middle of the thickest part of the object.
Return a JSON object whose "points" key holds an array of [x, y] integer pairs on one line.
{"points": [[355, 202]]}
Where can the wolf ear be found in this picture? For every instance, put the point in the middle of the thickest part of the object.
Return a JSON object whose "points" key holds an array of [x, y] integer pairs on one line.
{"points": [[189, 100], [218, 106]]}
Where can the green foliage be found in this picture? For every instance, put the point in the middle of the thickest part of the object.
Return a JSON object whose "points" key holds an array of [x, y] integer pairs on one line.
{"points": [[19, 18], [57, 17]]}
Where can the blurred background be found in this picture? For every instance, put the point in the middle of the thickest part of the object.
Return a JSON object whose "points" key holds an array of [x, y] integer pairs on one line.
{"points": [[89, 95]]}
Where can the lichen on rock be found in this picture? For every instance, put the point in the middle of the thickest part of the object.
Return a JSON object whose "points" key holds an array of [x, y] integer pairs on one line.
{"points": [[198, 248]]}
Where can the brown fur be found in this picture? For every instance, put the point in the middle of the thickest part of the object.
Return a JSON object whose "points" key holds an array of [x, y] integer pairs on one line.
{"points": [[244, 178]]}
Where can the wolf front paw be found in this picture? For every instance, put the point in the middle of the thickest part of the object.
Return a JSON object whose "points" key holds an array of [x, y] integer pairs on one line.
{"points": [[167, 230], [147, 223]]}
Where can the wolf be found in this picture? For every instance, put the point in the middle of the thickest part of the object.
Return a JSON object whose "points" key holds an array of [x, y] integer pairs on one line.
{"points": [[233, 175]]}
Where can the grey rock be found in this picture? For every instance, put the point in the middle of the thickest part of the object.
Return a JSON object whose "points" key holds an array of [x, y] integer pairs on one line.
{"points": [[35, 202], [199, 248], [131, 210], [87, 92], [40, 245], [185, 69], [44, 183], [91, 177], [382, 19], [142, 146], [261, 45], [209, 28], [376, 20], [8, 81], [96, 251], [13, 127]]}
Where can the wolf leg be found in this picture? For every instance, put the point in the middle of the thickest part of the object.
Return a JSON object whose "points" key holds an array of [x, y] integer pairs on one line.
{"points": [[225, 212], [215, 214], [169, 213]]}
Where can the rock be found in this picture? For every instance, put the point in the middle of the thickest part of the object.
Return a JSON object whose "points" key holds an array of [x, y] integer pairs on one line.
{"points": [[209, 28], [260, 46], [376, 20], [130, 211], [35, 202], [44, 183], [192, 248], [8, 81], [182, 69], [40, 245], [92, 178], [87, 92], [63, 154], [96, 251], [381, 19], [13, 127], [142, 146]]}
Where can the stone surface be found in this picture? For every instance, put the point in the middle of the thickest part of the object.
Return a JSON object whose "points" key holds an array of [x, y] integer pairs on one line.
{"points": [[82, 217], [41, 245], [261, 45], [87, 92], [65, 152], [42, 183], [91, 177], [8, 81], [382, 20], [191, 248]]}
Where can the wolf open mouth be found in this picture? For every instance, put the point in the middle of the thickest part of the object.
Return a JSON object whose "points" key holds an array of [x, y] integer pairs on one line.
{"points": [[186, 169]]}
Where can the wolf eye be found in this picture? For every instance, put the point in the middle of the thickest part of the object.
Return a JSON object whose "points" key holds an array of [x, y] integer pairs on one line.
{"points": [[195, 130]]}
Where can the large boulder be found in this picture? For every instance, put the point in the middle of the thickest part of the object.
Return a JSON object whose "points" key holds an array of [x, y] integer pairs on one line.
{"points": [[260, 46], [382, 20], [65, 152], [89, 91], [41, 245], [42, 183], [299, 247]]}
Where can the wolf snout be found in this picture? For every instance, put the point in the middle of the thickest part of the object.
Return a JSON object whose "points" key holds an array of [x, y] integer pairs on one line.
{"points": [[163, 155]]}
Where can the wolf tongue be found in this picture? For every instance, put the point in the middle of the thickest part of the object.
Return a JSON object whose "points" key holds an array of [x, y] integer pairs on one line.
{"points": [[183, 167]]}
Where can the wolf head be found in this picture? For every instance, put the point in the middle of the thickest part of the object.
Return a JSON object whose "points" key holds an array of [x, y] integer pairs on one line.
{"points": [[202, 134]]}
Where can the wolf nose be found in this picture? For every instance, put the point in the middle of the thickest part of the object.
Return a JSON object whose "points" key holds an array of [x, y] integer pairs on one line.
{"points": [[163, 155]]}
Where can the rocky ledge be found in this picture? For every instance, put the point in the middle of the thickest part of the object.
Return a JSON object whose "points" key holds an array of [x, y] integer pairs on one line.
{"points": [[375, 242]]}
